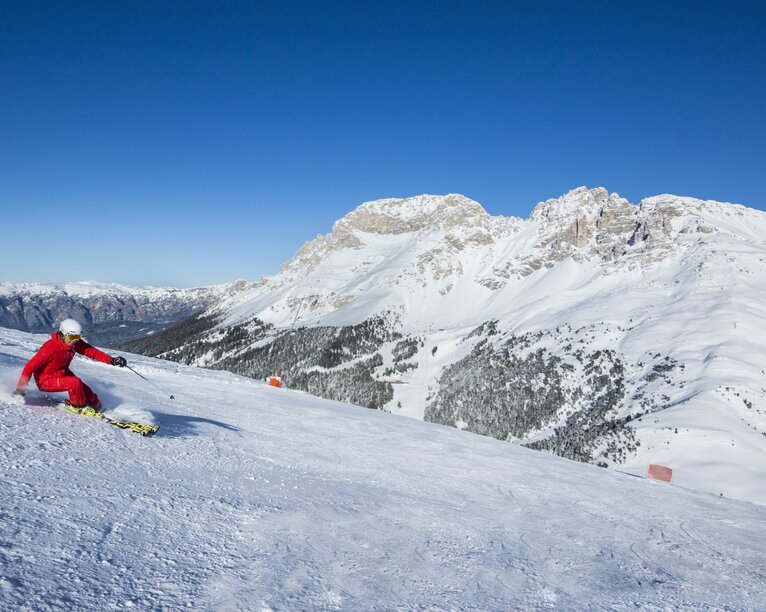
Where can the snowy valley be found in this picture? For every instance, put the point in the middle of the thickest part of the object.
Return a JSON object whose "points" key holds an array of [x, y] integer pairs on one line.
{"points": [[256, 498]]}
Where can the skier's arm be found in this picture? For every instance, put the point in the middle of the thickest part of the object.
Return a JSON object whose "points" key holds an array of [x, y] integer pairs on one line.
{"points": [[91, 352], [86, 349], [34, 365]]}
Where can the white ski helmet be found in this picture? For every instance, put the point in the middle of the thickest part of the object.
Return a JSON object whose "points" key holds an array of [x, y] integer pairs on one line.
{"points": [[70, 327]]}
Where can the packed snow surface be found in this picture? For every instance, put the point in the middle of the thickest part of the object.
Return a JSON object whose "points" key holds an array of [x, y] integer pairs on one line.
{"points": [[257, 498]]}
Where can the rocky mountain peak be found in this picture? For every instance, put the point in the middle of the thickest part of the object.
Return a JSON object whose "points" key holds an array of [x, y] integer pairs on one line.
{"points": [[388, 217], [409, 215], [587, 223], [578, 203]]}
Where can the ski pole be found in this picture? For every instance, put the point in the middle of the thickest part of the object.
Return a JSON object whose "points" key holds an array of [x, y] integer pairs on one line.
{"points": [[147, 380]]}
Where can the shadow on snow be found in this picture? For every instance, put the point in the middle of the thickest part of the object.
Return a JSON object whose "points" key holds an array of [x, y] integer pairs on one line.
{"points": [[184, 425]]}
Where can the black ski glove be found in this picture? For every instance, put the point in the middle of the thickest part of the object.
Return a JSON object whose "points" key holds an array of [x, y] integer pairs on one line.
{"points": [[119, 361], [20, 392]]}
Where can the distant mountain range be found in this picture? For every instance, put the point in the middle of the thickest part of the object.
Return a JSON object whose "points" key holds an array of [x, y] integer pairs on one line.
{"points": [[111, 313], [600, 330]]}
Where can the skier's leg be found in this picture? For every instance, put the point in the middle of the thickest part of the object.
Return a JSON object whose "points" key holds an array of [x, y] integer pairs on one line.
{"points": [[91, 398], [80, 394]]}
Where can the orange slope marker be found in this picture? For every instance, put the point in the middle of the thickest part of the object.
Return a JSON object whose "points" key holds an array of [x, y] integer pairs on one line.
{"points": [[659, 472]]}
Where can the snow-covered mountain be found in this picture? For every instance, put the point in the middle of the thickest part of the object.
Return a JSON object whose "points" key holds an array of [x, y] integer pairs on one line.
{"points": [[256, 498], [597, 329], [111, 312], [444, 260]]}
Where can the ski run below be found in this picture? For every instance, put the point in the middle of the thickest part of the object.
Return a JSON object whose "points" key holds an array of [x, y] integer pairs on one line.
{"points": [[256, 498]]}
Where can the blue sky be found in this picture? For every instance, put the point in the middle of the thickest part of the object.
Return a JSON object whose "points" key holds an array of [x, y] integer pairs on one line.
{"points": [[192, 143]]}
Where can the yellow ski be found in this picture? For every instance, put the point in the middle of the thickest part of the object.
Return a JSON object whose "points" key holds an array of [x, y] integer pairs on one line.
{"points": [[140, 428]]}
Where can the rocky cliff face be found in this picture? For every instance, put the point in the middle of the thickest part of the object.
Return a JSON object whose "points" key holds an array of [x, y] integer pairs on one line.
{"points": [[592, 224]]}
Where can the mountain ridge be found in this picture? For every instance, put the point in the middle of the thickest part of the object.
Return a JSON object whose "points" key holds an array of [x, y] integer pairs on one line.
{"points": [[583, 224]]}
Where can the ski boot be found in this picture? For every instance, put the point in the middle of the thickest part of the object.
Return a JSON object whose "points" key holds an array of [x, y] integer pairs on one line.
{"points": [[83, 409], [73, 407], [90, 411]]}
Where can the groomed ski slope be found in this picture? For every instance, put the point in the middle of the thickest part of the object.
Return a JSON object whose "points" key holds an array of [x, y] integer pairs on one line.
{"points": [[255, 498]]}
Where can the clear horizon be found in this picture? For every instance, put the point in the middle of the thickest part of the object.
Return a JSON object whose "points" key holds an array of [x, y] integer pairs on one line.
{"points": [[194, 144]]}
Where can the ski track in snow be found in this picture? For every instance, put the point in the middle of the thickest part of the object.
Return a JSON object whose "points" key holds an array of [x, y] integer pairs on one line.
{"points": [[255, 498]]}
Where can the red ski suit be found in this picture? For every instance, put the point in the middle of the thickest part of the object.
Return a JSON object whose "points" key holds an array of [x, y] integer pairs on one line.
{"points": [[50, 367]]}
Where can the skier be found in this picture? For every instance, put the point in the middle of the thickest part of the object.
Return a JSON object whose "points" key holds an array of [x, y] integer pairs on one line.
{"points": [[50, 367]]}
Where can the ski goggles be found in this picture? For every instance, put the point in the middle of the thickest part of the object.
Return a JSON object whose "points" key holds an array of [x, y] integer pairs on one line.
{"points": [[72, 337]]}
